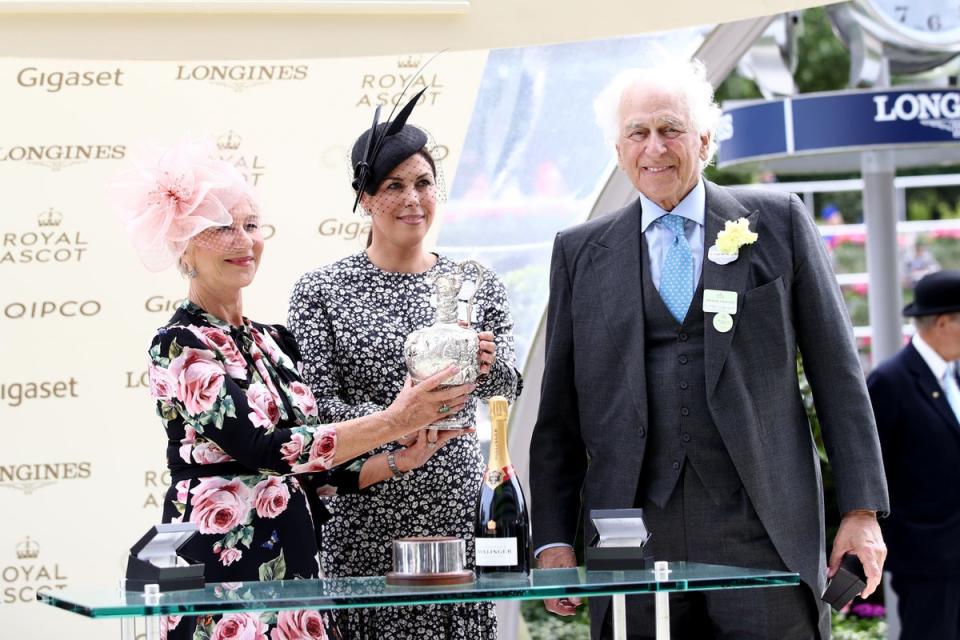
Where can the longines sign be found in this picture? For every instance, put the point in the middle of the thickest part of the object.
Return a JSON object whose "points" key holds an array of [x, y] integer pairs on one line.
{"points": [[837, 121], [58, 156], [28, 477]]}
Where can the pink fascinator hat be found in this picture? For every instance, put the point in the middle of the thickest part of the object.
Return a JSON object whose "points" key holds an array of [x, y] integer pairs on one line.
{"points": [[172, 195]]}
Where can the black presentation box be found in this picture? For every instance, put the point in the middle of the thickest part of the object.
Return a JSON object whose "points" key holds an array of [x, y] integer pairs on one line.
{"points": [[619, 542], [152, 560]]}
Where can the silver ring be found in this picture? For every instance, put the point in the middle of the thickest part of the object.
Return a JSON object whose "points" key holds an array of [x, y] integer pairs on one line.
{"points": [[431, 445], [444, 408]]}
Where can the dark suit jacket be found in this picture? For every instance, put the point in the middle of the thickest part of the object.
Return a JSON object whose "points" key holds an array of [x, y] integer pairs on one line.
{"points": [[589, 437], [920, 437]]}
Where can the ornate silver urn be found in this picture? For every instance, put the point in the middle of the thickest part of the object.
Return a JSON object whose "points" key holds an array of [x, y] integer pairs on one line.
{"points": [[449, 340]]}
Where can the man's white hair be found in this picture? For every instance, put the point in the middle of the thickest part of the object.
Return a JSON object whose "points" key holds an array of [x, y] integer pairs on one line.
{"points": [[689, 79]]}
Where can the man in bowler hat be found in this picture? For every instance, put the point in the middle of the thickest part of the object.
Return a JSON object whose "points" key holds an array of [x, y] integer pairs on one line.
{"points": [[916, 400]]}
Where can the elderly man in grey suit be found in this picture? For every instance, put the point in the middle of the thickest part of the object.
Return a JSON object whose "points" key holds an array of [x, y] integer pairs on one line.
{"points": [[671, 383]]}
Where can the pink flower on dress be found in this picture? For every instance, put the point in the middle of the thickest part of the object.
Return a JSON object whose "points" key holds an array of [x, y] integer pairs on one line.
{"points": [[270, 497], [303, 398], [167, 624], [182, 490], [186, 444], [199, 379], [224, 587], [229, 556], [209, 453], [265, 412], [305, 624], [240, 626], [321, 452], [269, 347], [163, 386], [218, 340], [292, 448], [219, 504]]}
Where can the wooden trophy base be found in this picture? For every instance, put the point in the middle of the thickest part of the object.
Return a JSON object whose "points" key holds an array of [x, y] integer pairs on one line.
{"points": [[429, 579]]}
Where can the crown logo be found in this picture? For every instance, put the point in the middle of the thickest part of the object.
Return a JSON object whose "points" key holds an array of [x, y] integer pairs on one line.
{"points": [[229, 142], [50, 218], [408, 62], [27, 549]]}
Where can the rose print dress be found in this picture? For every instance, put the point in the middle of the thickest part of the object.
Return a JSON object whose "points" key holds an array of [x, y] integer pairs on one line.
{"points": [[239, 421], [351, 319]]}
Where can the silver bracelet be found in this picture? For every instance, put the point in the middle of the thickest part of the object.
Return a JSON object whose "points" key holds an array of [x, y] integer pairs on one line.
{"points": [[392, 463]]}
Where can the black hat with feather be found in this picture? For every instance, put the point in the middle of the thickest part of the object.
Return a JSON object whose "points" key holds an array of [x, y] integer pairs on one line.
{"points": [[382, 147]]}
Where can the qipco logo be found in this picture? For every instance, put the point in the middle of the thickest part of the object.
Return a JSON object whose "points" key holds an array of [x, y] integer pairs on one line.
{"points": [[41, 309]]}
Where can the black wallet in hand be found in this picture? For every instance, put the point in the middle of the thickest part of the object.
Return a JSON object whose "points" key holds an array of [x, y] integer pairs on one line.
{"points": [[849, 580]]}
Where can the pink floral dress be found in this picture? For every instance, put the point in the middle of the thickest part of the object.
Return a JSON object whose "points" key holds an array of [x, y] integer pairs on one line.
{"points": [[239, 421]]}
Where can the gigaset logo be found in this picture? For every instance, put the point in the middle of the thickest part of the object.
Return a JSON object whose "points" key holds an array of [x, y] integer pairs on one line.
{"points": [[54, 81], [347, 230]]}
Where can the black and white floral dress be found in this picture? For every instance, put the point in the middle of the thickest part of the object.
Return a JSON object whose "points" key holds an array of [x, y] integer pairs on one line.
{"points": [[351, 319]]}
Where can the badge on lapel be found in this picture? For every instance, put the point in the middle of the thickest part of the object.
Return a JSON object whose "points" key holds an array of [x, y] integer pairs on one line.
{"points": [[735, 234], [723, 304]]}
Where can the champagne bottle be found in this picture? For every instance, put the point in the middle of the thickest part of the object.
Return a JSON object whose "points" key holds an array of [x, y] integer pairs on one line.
{"points": [[502, 526]]}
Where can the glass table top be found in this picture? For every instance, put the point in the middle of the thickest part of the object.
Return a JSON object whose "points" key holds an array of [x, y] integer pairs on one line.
{"points": [[339, 593]]}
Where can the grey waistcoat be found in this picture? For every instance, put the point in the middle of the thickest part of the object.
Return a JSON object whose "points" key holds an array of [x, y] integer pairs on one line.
{"points": [[680, 425]]}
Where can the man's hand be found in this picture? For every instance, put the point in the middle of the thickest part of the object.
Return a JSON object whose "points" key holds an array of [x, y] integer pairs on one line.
{"points": [[860, 535], [559, 558]]}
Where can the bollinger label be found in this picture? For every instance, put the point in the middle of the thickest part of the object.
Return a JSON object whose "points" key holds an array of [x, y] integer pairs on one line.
{"points": [[496, 552], [495, 477]]}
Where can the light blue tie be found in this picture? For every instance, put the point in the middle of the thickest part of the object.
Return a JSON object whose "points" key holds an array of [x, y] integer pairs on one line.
{"points": [[676, 274], [950, 388]]}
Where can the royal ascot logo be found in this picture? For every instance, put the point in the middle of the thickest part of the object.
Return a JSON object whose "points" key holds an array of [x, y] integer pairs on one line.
{"points": [[346, 230], [250, 164], [937, 109], [25, 576], [55, 81], [50, 242], [241, 77], [41, 309], [27, 478], [15, 394], [155, 483], [57, 156], [381, 89]]}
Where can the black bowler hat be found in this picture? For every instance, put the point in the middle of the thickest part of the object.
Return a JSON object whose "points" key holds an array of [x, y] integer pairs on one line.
{"points": [[936, 293], [382, 147]]}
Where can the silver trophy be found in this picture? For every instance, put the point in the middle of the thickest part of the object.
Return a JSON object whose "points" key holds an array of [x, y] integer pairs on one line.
{"points": [[449, 340]]}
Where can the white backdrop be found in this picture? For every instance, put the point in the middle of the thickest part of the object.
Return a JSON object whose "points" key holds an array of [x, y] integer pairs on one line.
{"points": [[82, 468]]}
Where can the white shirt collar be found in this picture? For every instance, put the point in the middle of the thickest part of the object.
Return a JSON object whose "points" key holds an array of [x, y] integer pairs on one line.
{"points": [[692, 207], [937, 364]]}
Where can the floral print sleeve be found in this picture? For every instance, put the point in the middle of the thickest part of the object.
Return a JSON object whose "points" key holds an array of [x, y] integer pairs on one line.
{"points": [[195, 376], [503, 379]]}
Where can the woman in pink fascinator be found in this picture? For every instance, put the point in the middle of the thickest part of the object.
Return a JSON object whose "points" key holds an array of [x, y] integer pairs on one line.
{"points": [[246, 451]]}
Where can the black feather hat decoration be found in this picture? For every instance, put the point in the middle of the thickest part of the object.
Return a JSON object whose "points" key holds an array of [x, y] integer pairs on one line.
{"points": [[383, 147]]}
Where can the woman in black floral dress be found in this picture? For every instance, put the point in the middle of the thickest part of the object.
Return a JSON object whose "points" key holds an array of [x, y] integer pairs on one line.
{"points": [[351, 319], [238, 417]]}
